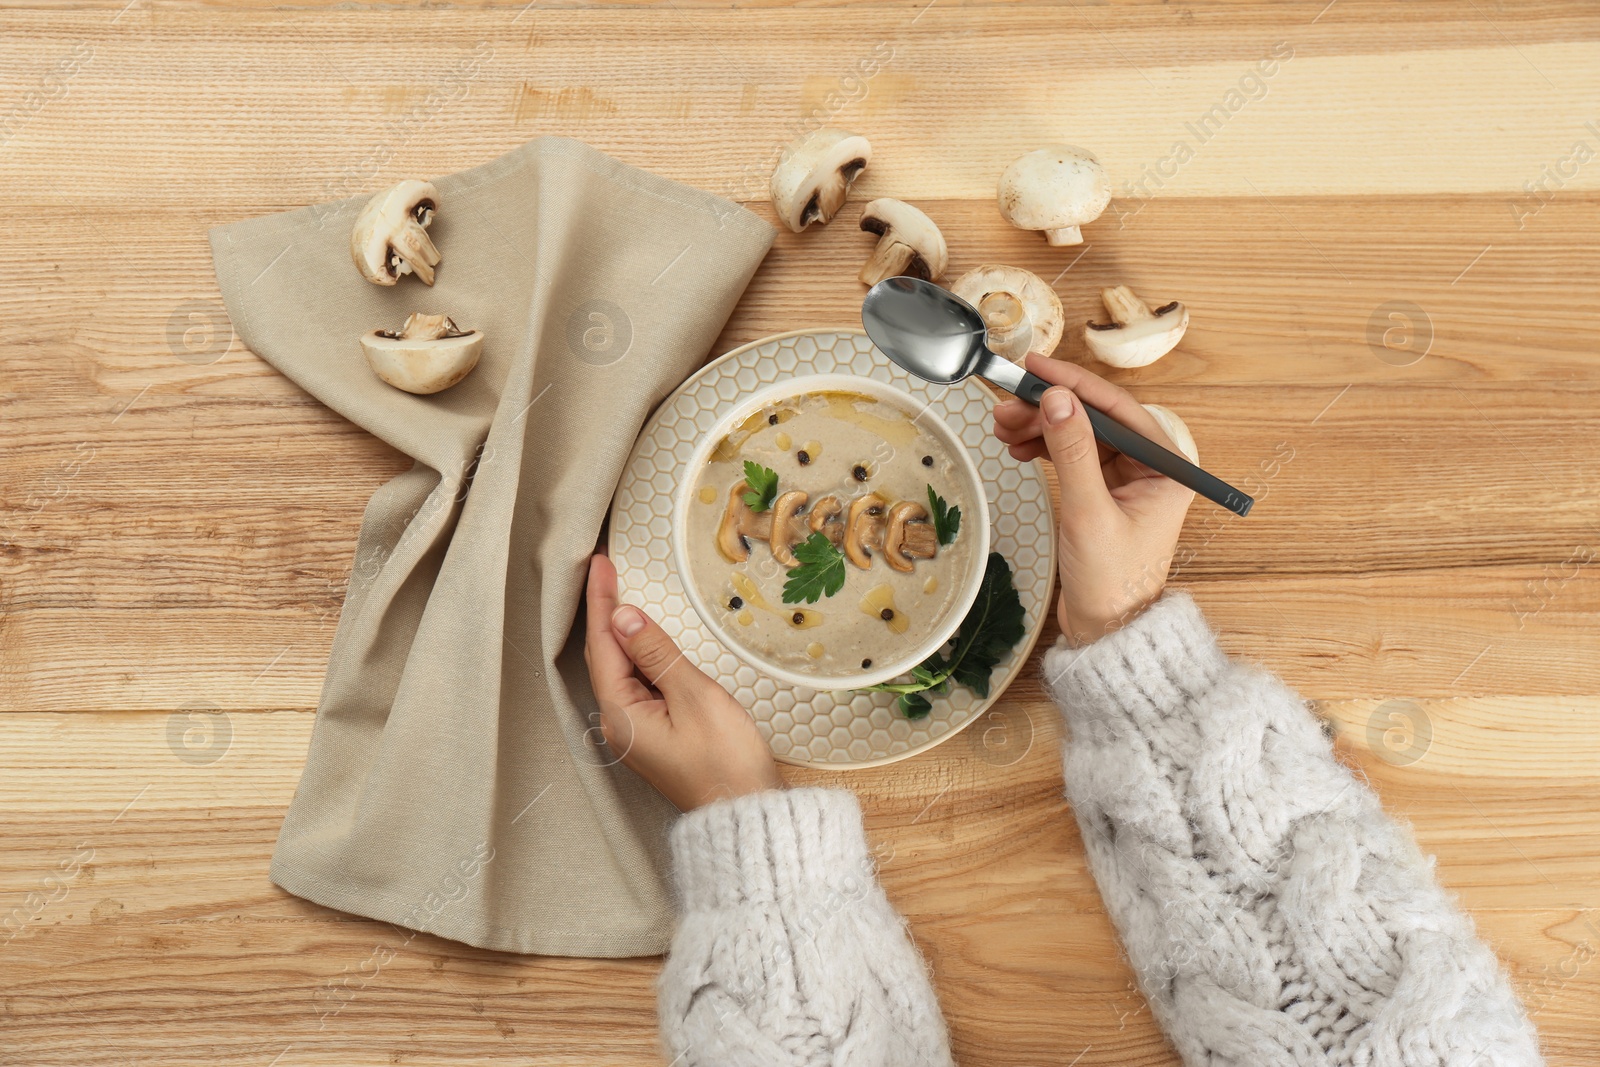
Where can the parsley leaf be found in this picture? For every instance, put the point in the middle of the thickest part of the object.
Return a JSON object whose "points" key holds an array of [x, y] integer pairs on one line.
{"points": [[763, 483], [992, 628], [914, 705], [821, 571], [946, 520]]}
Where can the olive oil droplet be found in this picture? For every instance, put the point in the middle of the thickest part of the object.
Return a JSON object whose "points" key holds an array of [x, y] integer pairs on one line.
{"points": [[805, 619], [745, 618], [747, 589], [708, 495], [931, 585], [783, 441], [815, 650], [878, 602]]}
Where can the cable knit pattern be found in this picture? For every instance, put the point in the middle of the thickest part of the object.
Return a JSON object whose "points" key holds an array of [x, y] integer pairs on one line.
{"points": [[1273, 914], [788, 952]]}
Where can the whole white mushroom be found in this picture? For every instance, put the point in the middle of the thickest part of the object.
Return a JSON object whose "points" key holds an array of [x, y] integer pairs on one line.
{"points": [[1056, 189], [1021, 313]]}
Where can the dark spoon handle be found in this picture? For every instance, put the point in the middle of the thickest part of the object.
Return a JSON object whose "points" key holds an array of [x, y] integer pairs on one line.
{"points": [[1138, 447]]}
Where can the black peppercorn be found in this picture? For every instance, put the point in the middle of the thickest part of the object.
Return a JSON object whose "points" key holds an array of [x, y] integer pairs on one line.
{"points": [[803, 456], [865, 664], [886, 614], [735, 604], [859, 473], [927, 461], [799, 617], [772, 420]]}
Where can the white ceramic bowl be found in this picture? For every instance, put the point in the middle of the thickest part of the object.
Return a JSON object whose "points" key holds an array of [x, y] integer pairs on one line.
{"points": [[974, 524]]}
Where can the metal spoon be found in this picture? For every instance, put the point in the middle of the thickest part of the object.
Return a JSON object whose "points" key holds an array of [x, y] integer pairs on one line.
{"points": [[939, 337]]}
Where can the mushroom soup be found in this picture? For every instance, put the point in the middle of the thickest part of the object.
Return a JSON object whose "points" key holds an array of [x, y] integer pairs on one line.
{"points": [[857, 472]]}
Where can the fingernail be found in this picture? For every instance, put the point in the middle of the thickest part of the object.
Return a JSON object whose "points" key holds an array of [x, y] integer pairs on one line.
{"points": [[1056, 404], [627, 620]]}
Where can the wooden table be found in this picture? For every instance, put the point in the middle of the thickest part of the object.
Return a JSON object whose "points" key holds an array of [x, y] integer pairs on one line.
{"points": [[1388, 246]]}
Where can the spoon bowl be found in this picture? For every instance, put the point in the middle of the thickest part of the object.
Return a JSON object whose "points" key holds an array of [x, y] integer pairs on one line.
{"points": [[926, 330]]}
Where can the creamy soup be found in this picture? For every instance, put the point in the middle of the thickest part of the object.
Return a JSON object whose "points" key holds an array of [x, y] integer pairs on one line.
{"points": [[857, 471]]}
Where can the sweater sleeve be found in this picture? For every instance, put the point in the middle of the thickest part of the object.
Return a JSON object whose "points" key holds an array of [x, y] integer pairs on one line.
{"points": [[1271, 911], [787, 950]]}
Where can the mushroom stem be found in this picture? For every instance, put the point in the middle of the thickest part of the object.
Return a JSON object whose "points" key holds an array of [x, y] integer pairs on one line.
{"points": [[1064, 235], [889, 260], [1124, 305], [414, 251], [420, 327], [1006, 322]]}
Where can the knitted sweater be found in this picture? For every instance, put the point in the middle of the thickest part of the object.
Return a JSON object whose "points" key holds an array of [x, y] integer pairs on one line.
{"points": [[1272, 913]]}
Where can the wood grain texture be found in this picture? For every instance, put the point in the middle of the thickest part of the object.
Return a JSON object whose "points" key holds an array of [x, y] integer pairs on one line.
{"points": [[176, 520]]}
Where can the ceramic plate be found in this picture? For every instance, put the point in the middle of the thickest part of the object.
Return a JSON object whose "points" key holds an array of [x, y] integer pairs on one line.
{"points": [[808, 727]]}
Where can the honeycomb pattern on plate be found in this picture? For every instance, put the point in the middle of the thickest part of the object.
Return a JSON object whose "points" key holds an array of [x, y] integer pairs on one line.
{"points": [[835, 729]]}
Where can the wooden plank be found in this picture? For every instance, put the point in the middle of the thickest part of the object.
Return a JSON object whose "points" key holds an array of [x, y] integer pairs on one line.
{"points": [[175, 532], [239, 86], [171, 919], [135, 579]]}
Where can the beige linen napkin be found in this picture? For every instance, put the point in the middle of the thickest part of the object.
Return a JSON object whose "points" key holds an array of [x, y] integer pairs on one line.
{"points": [[454, 784]]}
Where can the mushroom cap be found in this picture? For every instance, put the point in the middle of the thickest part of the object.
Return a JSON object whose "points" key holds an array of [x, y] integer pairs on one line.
{"points": [[909, 242], [1021, 312], [428, 356], [1174, 428], [814, 173], [1140, 341], [1056, 189]]}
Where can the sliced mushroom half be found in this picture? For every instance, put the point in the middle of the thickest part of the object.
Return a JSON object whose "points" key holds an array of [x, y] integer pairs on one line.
{"points": [[1021, 313], [428, 354], [1137, 335], [1056, 189], [739, 524], [391, 234], [788, 529], [813, 176], [864, 529], [825, 518], [908, 243], [1175, 428], [908, 536]]}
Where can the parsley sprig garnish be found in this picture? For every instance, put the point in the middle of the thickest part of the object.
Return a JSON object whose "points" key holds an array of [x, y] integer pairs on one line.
{"points": [[820, 573], [992, 628], [946, 520], [763, 483]]}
